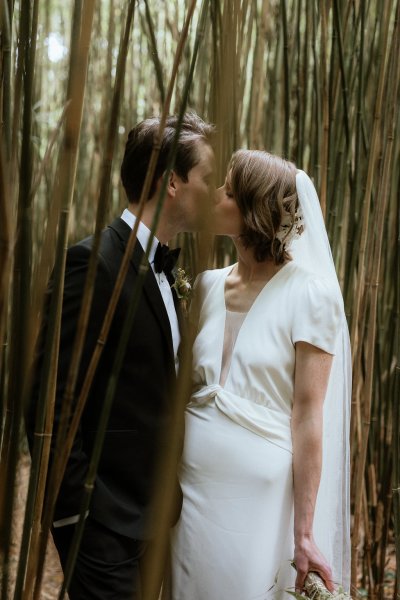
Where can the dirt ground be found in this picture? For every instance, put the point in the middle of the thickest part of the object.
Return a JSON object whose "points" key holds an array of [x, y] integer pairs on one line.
{"points": [[53, 575]]}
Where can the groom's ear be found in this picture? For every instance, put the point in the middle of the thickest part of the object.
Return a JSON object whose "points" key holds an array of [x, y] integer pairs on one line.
{"points": [[172, 184]]}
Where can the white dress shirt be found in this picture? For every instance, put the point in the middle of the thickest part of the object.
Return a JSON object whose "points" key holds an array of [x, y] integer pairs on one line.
{"points": [[143, 236]]}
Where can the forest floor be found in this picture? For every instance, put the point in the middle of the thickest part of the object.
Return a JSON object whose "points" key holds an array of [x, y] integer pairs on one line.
{"points": [[53, 575]]}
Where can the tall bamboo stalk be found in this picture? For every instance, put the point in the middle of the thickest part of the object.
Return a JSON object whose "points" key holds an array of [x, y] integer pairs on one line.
{"points": [[344, 87], [325, 108], [5, 92], [154, 53], [396, 418], [286, 91], [22, 275], [6, 236]]}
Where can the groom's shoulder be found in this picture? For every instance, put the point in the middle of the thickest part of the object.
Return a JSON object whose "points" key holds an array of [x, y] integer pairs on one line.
{"points": [[112, 242]]}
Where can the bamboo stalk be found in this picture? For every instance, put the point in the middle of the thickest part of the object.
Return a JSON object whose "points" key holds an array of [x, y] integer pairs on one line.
{"points": [[21, 282], [396, 419], [286, 79], [29, 556], [6, 237], [5, 93], [316, 123], [299, 82], [154, 52], [254, 116], [396, 386], [337, 21], [357, 159], [352, 238], [325, 110]]}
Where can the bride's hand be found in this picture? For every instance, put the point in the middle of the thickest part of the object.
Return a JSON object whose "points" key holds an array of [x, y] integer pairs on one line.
{"points": [[308, 558]]}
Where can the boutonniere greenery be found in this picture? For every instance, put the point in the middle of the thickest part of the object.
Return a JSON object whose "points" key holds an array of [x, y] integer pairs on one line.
{"points": [[182, 284]]}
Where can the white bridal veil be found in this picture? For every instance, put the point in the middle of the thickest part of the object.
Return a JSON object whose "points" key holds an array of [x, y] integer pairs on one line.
{"points": [[332, 516]]}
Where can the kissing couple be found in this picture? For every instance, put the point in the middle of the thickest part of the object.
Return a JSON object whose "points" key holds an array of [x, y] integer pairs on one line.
{"points": [[263, 475]]}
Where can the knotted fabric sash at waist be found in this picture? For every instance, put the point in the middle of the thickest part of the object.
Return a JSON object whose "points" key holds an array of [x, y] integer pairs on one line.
{"points": [[269, 423]]}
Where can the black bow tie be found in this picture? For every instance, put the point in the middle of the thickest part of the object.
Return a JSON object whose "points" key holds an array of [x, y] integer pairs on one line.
{"points": [[165, 259]]}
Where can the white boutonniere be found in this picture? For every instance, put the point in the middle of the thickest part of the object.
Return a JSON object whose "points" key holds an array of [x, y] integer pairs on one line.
{"points": [[182, 284]]}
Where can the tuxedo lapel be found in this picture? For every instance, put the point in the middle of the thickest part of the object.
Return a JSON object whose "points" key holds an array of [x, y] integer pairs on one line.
{"points": [[151, 289]]}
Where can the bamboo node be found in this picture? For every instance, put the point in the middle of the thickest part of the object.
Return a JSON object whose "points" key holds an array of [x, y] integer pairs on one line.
{"points": [[39, 434], [370, 284]]}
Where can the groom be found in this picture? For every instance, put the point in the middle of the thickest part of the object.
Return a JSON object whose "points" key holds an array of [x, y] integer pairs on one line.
{"points": [[118, 529]]}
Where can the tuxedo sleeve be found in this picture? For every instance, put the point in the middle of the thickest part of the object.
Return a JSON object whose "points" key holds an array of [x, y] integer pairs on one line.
{"points": [[71, 492]]}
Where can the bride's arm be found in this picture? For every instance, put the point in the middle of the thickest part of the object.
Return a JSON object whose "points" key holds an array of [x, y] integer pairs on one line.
{"points": [[311, 379]]}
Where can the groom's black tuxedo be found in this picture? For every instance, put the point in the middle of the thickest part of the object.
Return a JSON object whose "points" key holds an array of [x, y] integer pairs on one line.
{"points": [[142, 408]]}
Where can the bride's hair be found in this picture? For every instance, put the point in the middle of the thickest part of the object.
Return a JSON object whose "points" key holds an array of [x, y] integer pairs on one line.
{"points": [[264, 187]]}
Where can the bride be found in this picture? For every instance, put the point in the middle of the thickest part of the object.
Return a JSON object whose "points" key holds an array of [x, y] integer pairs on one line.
{"points": [[265, 465]]}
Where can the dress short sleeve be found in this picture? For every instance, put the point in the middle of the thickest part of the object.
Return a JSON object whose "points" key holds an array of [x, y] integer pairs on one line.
{"points": [[318, 315]]}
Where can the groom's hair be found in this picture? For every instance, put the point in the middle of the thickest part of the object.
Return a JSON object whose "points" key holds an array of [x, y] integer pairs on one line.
{"points": [[139, 146]]}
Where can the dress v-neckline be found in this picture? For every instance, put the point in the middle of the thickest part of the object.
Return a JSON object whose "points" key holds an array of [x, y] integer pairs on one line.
{"points": [[246, 317], [267, 284]]}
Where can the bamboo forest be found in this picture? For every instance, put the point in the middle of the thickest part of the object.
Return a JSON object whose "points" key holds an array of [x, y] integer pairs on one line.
{"points": [[314, 81]]}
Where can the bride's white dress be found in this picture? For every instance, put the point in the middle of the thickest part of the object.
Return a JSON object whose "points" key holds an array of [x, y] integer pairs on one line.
{"points": [[234, 539]]}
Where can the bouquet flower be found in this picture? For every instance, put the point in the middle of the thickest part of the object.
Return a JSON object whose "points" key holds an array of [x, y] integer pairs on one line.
{"points": [[315, 589]]}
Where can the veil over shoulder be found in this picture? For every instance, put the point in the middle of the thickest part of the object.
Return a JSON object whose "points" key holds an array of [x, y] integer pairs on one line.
{"points": [[332, 516]]}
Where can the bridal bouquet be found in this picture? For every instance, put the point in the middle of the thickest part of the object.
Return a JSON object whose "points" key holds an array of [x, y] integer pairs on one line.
{"points": [[315, 590]]}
